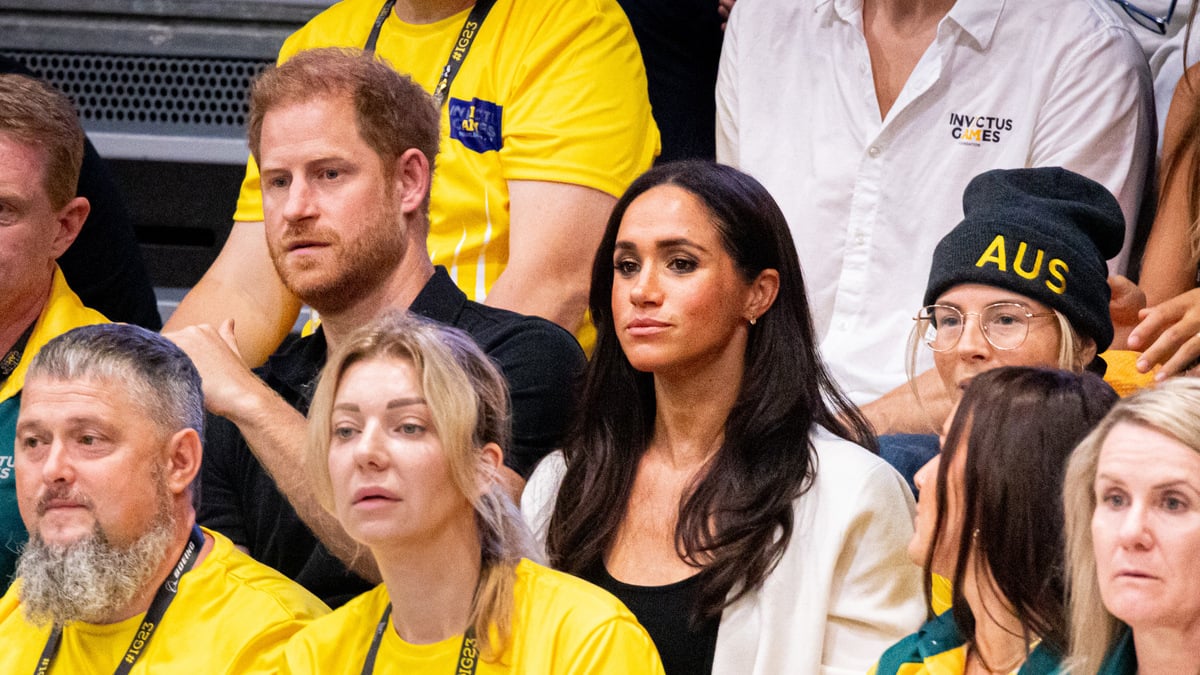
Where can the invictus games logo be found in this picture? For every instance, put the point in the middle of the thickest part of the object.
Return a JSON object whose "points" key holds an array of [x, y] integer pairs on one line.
{"points": [[976, 130]]}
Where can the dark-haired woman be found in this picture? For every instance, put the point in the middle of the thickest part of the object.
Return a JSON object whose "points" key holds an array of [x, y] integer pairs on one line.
{"points": [[990, 518], [716, 480]]}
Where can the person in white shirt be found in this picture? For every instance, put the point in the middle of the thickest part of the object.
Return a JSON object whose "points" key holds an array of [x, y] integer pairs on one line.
{"points": [[867, 118]]}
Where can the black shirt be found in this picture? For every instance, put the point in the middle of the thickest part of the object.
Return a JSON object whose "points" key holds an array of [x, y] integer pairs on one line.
{"points": [[666, 614], [680, 42], [240, 500]]}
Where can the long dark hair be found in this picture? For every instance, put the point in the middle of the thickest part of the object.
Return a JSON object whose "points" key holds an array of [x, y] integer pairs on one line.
{"points": [[737, 519], [1020, 426]]}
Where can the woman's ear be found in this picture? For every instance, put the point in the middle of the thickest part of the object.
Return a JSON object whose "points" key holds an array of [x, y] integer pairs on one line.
{"points": [[1085, 351], [763, 290], [491, 458]]}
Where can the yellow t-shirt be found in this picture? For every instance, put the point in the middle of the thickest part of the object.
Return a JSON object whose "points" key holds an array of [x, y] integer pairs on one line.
{"points": [[950, 662], [561, 624], [232, 615], [552, 90], [64, 311]]}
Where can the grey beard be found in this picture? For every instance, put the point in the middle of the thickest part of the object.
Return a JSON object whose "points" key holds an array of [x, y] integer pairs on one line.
{"points": [[91, 579]]}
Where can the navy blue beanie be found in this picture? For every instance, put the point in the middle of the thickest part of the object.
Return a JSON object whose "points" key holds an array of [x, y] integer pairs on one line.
{"points": [[1044, 233]]}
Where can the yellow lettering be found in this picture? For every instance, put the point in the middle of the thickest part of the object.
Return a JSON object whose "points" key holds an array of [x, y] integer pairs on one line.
{"points": [[971, 134], [1037, 265], [994, 254], [1061, 287]]}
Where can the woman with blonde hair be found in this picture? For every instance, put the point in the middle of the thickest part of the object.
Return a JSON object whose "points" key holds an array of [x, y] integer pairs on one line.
{"points": [[1020, 281], [406, 434], [1132, 504]]}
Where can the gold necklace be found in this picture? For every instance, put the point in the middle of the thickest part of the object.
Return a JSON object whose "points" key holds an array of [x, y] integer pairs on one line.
{"points": [[978, 655]]}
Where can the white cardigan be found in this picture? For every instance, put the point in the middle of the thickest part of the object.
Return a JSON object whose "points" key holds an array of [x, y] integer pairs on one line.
{"points": [[844, 590]]}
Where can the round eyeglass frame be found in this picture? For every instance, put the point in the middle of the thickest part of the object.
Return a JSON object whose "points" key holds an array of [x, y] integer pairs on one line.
{"points": [[925, 317]]}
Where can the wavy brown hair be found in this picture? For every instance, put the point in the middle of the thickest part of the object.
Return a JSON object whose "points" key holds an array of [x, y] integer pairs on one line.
{"points": [[737, 519]]}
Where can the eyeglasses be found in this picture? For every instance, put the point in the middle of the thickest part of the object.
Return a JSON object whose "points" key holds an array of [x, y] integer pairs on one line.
{"points": [[1145, 19], [1005, 325]]}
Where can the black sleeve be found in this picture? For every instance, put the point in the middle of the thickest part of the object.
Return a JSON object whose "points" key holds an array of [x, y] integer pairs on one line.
{"points": [[219, 498], [104, 265], [542, 364]]}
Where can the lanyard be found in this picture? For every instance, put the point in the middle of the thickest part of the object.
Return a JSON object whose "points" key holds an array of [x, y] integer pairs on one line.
{"points": [[468, 653], [466, 37], [12, 359], [150, 623]]}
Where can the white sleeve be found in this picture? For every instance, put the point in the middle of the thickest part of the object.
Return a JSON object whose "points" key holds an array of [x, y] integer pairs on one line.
{"points": [[1099, 121], [876, 597], [726, 93], [541, 491]]}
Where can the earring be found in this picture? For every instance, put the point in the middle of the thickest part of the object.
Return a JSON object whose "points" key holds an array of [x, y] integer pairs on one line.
{"points": [[753, 320]]}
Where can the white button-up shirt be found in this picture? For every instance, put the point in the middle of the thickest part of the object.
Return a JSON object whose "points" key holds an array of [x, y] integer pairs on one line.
{"points": [[1005, 84]]}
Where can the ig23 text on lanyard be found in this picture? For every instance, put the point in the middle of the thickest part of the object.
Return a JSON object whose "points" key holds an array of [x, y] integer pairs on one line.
{"points": [[458, 54], [150, 623], [468, 653]]}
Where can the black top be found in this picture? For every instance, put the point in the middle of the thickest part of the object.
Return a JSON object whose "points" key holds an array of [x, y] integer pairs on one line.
{"points": [[666, 614], [104, 266], [681, 48], [238, 498]]}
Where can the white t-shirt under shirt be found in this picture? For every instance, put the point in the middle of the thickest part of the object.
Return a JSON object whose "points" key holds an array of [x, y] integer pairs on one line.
{"points": [[1005, 84]]}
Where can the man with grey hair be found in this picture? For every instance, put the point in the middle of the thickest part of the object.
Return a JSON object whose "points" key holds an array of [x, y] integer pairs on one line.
{"points": [[108, 446]]}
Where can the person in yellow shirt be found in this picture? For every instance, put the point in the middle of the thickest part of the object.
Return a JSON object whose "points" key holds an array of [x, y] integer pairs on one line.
{"points": [[405, 440], [41, 214], [546, 121], [116, 575]]}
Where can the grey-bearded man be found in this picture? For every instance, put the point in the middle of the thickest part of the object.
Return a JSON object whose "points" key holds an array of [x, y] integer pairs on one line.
{"points": [[116, 573]]}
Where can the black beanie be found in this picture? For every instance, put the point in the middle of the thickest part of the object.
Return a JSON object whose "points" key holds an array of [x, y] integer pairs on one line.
{"points": [[1044, 233]]}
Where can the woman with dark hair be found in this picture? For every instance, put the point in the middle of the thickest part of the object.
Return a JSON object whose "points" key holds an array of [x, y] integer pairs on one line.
{"points": [[715, 476], [993, 524]]}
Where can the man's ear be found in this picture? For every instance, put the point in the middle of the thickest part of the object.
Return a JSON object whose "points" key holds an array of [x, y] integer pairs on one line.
{"points": [[411, 180], [69, 221], [183, 460]]}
